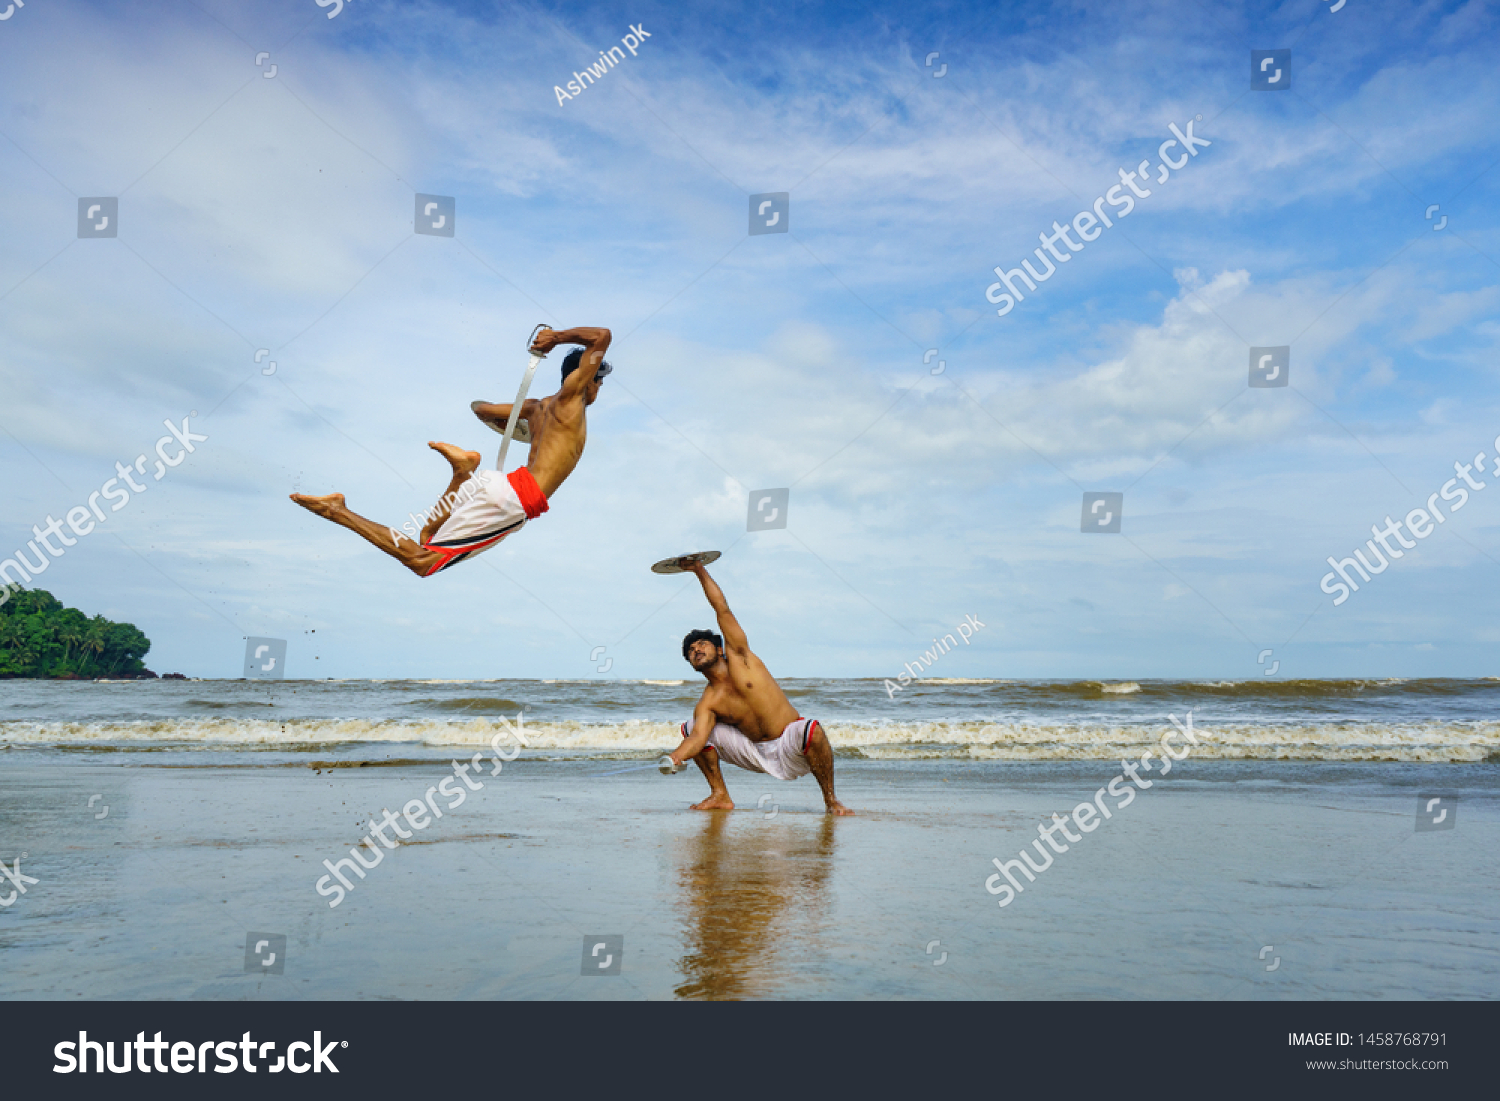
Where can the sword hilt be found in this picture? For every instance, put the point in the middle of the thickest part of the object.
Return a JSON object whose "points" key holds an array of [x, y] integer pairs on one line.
{"points": [[530, 340]]}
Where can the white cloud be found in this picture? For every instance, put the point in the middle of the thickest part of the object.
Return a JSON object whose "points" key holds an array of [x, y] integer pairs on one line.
{"points": [[768, 370]]}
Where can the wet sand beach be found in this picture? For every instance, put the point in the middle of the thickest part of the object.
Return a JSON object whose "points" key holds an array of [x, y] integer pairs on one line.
{"points": [[1228, 879]]}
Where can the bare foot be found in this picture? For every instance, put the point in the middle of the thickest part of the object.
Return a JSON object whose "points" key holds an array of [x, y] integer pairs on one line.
{"points": [[323, 506], [714, 802], [838, 808], [463, 462]]}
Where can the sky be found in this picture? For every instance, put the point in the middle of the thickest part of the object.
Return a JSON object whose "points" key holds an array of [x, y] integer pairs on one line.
{"points": [[267, 286]]}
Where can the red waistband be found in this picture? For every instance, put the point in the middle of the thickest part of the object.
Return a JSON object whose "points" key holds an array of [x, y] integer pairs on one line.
{"points": [[533, 500]]}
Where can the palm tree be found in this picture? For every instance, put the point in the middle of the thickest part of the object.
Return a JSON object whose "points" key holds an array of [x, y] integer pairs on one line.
{"points": [[71, 629], [10, 645], [94, 641]]}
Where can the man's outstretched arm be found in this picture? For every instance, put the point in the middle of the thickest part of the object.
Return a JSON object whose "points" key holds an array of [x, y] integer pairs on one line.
{"points": [[703, 726], [729, 627], [595, 343]]}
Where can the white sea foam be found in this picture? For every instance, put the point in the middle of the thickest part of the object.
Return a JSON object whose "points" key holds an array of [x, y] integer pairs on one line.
{"points": [[1128, 688], [1433, 741]]}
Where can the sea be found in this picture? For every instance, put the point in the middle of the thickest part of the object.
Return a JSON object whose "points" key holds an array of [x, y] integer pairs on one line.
{"points": [[1393, 719]]}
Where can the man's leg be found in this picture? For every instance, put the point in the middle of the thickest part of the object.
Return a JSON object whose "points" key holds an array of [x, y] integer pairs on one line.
{"points": [[820, 757], [718, 794], [464, 463], [409, 553]]}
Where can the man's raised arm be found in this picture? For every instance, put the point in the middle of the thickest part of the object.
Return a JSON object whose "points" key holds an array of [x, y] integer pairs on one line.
{"points": [[595, 343], [734, 634]]}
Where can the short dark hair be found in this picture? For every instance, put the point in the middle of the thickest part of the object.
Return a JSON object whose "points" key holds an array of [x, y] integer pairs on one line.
{"points": [[700, 635], [575, 358]]}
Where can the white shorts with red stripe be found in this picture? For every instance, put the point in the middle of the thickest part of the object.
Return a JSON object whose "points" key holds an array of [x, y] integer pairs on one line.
{"points": [[784, 757], [487, 508]]}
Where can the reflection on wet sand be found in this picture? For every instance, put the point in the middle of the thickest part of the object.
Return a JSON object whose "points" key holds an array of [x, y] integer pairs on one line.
{"points": [[754, 903]]}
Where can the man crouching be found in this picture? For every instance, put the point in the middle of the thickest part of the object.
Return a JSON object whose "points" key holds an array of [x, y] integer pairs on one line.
{"points": [[743, 715]]}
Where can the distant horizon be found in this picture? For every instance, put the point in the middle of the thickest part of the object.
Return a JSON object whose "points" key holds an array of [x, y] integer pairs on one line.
{"points": [[1205, 680]]}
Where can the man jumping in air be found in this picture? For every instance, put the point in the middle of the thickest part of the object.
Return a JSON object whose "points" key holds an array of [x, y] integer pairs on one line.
{"points": [[743, 715], [482, 507]]}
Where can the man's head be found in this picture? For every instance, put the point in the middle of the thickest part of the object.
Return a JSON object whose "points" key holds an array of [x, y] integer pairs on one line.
{"points": [[573, 361], [701, 649]]}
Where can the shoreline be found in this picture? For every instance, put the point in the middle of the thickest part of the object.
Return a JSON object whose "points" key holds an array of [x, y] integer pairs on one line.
{"points": [[377, 741]]}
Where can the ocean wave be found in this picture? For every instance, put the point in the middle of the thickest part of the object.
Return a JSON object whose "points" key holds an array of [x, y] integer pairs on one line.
{"points": [[959, 680], [1431, 741], [482, 705], [1262, 688]]}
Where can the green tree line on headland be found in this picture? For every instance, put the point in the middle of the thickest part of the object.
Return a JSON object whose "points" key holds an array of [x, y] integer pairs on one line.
{"points": [[41, 638]]}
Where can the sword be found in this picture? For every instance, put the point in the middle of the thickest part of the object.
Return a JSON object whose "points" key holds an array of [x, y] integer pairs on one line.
{"points": [[515, 410]]}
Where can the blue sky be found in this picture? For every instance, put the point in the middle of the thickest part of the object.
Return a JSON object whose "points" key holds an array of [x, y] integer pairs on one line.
{"points": [[276, 213]]}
